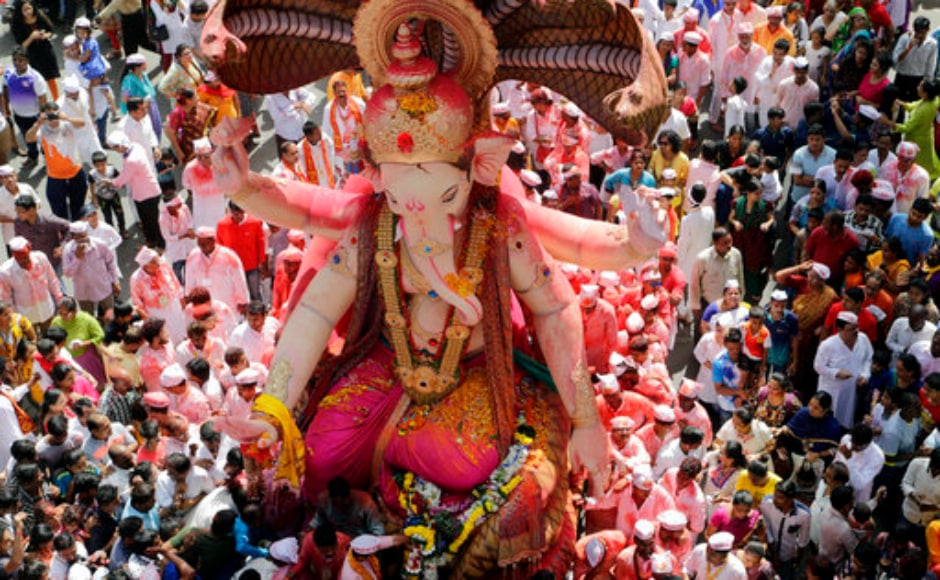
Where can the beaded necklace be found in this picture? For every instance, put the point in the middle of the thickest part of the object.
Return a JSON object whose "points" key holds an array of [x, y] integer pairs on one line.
{"points": [[428, 379]]}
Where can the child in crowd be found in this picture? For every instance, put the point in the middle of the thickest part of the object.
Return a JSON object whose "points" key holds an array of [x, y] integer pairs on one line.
{"points": [[736, 107], [771, 189], [93, 65], [166, 175], [105, 195]]}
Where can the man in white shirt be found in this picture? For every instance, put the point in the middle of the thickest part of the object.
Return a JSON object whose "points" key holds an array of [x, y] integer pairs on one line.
{"points": [[342, 124], [741, 60], [907, 330], [289, 111], [256, 334], [928, 354], [181, 486], [11, 189], [921, 489], [915, 57], [837, 540], [694, 67], [139, 128], [287, 167], [28, 282], [863, 457], [843, 362], [714, 560], [25, 91], [317, 160], [794, 92], [721, 32]]}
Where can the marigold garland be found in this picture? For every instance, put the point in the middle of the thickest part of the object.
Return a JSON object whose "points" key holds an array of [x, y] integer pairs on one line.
{"points": [[431, 525]]}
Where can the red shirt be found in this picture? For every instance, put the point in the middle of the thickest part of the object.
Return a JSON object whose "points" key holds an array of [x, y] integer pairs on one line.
{"points": [[878, 16], [867, 322], [821, 247], [245, 239]]}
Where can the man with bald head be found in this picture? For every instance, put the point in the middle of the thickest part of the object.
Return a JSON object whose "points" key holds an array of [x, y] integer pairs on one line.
{"points": [[118, 396], [907, 330]]}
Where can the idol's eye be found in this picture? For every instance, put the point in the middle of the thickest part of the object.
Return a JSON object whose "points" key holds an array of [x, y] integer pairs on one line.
{"points": [[449, 195]]}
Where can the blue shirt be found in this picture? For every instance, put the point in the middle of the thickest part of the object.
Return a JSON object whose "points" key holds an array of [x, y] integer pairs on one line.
{"points": [[916, 241], [243, 542], [804, 426], [775, 143], [95, 67], [708, 7], [810, 166], [726, 373], [151, 518], [621, 177], [781, 333]]}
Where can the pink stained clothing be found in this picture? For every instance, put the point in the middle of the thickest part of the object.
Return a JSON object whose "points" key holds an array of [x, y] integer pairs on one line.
{"points": [[681, 548], [873, 92], [94, 274], [33, 292], [557, 160], [653, 444], [612, 158], [736, 63], [632, 405], [697, 417], [228, 381], [540, 131], [722, 521], [629, 566], [235, 406], [792, 97], [226, 320], [584, 135], [152, 363], [157, 456], [160, 296], [194, 405], [912, 185], [600, 335], [689, 500], [632, 453], [173, 228], [84, 388], [138, 174], [221, 272], [208, 200], [615, 542], [213, 352], [628, 513], [696, 72], [705, 47]]}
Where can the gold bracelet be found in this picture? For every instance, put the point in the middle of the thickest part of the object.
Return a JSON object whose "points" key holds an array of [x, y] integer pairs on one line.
{"points": [[585, 413]]}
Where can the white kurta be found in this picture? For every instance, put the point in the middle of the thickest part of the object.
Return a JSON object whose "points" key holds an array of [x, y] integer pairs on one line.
{"points": [[863, 467], [769, 74], [833, 356], [87, 136]]}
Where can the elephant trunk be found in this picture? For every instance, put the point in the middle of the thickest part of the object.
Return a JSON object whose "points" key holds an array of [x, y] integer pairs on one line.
{"points": [[431, 250]]}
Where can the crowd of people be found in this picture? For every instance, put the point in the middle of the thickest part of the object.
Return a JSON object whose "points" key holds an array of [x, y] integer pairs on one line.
{"points": [[801, 264]]}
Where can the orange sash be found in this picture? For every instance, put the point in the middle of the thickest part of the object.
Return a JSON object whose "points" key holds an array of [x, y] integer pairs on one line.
{"points": [[312, 175], [26, 424], [334, 122]]}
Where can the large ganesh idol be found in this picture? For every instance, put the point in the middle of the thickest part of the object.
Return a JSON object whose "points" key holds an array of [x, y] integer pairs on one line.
{"points": [[430, 401]]}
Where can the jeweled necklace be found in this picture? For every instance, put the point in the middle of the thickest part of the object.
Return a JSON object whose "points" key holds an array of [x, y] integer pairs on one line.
{"points": [[428, 379]]}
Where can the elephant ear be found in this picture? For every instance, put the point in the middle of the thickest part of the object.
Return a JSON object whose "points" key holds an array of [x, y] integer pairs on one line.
{"points": [[591, 51], [490, 152]]}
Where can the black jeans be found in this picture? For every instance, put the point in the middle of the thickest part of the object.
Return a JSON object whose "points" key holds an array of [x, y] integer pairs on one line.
{"points": [[112, 205], [67, 196], [149, 213], [25, 124]]}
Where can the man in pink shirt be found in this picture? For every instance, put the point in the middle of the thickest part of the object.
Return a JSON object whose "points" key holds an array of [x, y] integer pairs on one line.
{"points": [[139, 175], [690, 412], [185, 400], [217, 267], [157, 354], [600, 328], [695, 67], [690, 24], [662, 430], [681, 483], [741, 60], [794, 92], [28, 282]]}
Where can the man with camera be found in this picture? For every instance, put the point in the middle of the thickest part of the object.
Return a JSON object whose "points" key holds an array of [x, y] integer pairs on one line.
{"points": [[67, 184]]}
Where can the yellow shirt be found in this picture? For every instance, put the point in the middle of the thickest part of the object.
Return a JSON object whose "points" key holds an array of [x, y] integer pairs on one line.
{"points": [[766, 39], [933, 542], [745, 484]]}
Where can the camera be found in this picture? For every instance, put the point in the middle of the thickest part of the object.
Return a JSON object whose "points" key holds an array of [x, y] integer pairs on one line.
{"points": [[52, 116]]}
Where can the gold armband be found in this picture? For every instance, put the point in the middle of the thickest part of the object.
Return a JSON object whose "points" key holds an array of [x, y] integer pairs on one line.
{"points": [[585, 413]]}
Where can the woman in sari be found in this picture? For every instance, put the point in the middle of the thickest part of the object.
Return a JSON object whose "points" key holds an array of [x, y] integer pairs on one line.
{"points": [[136, 83], [725, 465], [776, 402], [84, 336], [185, 72], [666, 46], [751, 223], [814, 297], [919, 126], [856, 26], [668, 154], [890, 259], [831, 20]]}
